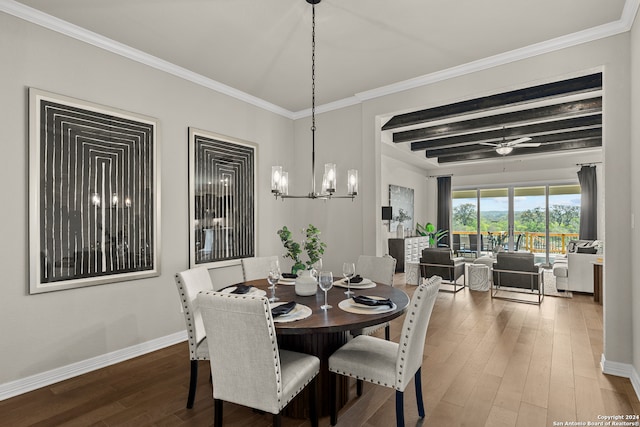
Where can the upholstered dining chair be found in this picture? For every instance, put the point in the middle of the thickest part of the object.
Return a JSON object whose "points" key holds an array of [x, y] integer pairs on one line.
{"points": [[257, 267], [380, 270], [249, 368], [189, 283], [388, 363]]}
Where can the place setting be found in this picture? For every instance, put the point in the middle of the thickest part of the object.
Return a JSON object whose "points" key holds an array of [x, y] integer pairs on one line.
{"points": [[352, 280], [367, 304], [241, 289], [283, 312]]}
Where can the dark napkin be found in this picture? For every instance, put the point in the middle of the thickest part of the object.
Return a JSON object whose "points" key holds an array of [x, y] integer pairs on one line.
{"points": [[241, 289], [283, 309], [289, 276], [362, 299], [355, 279]]}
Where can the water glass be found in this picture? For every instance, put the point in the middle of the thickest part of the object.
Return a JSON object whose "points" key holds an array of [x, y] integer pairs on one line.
{"points": [[325, 281], [348, 271], [272, 278]]}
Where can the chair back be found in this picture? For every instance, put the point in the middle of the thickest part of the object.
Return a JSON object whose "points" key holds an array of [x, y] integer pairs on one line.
{"points": [[378, 269], [414, 331], [436, 256], [257, 267], [242, 341], [190, 283]]}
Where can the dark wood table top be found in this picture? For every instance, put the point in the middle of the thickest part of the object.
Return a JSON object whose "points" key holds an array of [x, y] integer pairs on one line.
{"points": [[335, 319]]}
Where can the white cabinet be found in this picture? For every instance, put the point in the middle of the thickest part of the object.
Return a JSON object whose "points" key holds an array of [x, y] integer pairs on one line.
{"points": [[407, 250]]}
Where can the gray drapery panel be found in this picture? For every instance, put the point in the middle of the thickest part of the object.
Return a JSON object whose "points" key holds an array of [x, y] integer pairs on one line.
{"points": [[444, 207], [588, 203]]}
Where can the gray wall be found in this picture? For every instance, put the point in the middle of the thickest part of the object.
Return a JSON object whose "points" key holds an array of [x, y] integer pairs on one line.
{"points": [[47, 331]]}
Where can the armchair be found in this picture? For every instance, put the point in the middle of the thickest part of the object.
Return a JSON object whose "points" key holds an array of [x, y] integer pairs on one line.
{"points": [[440, 262], [518, 270]]}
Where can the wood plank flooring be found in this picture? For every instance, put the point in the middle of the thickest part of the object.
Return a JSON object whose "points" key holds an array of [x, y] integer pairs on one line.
{"points": [[486, 363]]}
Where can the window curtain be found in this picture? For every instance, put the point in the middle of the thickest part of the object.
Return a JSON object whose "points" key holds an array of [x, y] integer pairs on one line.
{"points": [[588, 203], [444, 208]]}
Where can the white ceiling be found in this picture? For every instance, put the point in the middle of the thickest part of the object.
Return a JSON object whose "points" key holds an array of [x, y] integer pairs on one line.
{"points": [[261, 50]]}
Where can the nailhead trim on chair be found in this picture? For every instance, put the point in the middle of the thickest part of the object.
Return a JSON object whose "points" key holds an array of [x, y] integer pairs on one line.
{"points": [[274, 342]]}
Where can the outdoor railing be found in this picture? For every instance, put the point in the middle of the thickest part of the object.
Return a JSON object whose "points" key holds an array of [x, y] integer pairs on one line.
{"points": [[530, 241]]}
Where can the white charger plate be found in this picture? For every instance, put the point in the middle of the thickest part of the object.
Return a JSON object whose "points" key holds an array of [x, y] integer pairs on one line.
{"points": [[299, 312]]}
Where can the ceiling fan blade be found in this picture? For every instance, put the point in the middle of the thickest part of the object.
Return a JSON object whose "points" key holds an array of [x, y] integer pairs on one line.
{"points": [[489, 144], [517, 141], [530, 144]]}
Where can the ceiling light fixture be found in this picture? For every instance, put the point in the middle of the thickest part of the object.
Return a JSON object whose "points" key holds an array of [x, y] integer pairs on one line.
{"points": [[504, 150], [280, 178]]}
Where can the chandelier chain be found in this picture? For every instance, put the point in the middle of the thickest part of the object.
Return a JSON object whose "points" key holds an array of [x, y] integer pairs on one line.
{"points": [[313, 67]]}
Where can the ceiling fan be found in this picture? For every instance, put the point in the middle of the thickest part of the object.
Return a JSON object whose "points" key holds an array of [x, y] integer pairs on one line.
{"points": [[504, 147]]}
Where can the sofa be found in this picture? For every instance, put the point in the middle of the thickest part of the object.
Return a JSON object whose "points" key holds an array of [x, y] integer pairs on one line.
{"points": [[574, 272]]}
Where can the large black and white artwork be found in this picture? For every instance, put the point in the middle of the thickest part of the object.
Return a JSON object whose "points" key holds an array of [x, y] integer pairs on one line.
{"points": [[401, 201], [222, 199], [94, 194]]}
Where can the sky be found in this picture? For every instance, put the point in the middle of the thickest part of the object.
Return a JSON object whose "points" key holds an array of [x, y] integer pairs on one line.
{"points": [[522, 203]]}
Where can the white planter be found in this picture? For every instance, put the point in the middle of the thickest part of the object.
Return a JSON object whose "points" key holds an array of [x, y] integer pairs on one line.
{"points": [[306, 284]]}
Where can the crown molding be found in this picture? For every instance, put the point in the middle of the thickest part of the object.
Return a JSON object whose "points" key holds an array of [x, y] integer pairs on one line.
{"points": [[37, 17], [34, 16]]}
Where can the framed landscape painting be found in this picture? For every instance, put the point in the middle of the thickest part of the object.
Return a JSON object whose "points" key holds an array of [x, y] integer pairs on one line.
{"points": [[94, 194], [222, 199]]}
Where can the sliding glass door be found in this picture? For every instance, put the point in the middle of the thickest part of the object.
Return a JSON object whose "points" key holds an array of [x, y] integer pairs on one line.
{"points": [[540, 219]]}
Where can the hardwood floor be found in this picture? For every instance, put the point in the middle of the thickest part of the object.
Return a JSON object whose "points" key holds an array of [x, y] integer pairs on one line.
{"points": [[486, 363]]}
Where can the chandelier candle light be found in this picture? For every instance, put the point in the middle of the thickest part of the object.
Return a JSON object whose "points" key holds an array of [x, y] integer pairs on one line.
{"points": [[280, 178]]}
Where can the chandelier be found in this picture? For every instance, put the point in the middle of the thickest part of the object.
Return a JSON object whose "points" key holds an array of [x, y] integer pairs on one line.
{"points": [[280, 178]]}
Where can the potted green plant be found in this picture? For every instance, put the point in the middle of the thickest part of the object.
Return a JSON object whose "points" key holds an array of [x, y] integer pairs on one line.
{"points": [[314, 248], [429, 230]]}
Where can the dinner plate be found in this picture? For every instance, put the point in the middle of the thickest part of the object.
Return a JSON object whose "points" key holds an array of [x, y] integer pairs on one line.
{"points": [[347, 305], [299, 312], [253, 292]]}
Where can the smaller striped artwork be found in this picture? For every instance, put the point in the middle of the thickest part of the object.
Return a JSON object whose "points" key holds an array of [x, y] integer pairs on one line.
{"points": [[222, 198], [93, 194]]}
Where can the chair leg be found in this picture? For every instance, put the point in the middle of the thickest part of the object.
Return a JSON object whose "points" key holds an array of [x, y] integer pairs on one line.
{"points": [[418, 382], [313, 402], [217, 413], [359, 384], [387, 333], [277, 420], [193, 382], [399, 408], [333, 408]]}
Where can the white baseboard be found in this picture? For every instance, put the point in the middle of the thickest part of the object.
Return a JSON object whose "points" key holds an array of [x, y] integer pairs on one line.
{"points": [[24, 385], [625, 370]]}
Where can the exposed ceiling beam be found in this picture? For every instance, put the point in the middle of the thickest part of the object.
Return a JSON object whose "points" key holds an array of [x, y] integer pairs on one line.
{"points": [[553, 90], [551, 112], [533, 130], [543, 149]]}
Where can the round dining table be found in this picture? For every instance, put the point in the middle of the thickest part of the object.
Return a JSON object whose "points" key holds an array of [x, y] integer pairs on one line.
{"points": [[325, 331]]}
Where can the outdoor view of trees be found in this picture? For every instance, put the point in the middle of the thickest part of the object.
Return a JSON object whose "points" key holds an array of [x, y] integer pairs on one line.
{"points": [[562, 219]]}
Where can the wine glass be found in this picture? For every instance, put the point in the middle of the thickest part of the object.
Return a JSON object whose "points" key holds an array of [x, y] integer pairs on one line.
{"points": [[272, 278], [348, 271], [325, 282]]}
